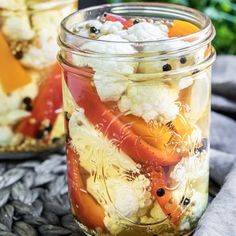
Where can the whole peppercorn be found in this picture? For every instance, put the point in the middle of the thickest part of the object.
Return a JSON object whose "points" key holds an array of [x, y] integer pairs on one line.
{"points": [[186, 201], [27, 100], [166, 67], [27, 103], [183, 60], [19, 54], [136, 21], [94, 30], [160, 192]]}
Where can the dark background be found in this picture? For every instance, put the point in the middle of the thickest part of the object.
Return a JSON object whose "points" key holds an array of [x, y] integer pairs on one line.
{"points": [[87, 3]]}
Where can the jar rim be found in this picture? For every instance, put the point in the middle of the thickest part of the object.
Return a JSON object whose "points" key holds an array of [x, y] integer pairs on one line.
{"points": [[197, 39]]}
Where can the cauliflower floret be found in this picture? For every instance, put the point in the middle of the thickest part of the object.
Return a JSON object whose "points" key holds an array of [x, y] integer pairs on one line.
{"points": [[190, 180], [199, 200], [44, 48], [49, 19], [45, 51], [17, 28], [108, 65], [13, 4], [191, 168], [29, 90], [150, 101], [127, 205], [6, 135], [195, 171], [12, 117], [9, 102], [146, 31], [110, 27], [110, 87]]}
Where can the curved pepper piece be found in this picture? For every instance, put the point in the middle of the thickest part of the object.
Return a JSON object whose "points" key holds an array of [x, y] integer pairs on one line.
{"points": [[85, 207], [156, 134], [182, 28], [12, 74], [113, 17], [110, 125], [47, 104]]}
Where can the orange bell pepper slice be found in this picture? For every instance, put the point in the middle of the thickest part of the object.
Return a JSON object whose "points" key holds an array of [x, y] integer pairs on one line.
{"points": [[182, 28], [110, 125], [12, 74], [85, 207], [154, 133]]}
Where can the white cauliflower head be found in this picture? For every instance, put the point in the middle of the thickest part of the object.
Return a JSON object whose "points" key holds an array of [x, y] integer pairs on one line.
{"points": [[110, 87], [17, 28], [110, 27], [108, 65], [145, 31], [155, 101]]}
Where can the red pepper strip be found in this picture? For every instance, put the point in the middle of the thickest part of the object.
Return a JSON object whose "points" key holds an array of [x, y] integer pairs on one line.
{"points": [[127, 24], [112, 17], [161, 192], [46, 105], [112, 128], [85, 207]]}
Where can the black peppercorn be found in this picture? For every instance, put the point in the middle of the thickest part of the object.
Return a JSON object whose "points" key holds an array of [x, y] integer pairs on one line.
{"points": [[160, 192], [27, 100], [186, 201], [166, 67], [183, 60], [136, 21], [94, 30], [19, 54]]}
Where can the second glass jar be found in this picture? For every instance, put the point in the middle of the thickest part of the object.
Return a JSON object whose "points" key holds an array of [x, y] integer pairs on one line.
{"points": [[30, 78]]}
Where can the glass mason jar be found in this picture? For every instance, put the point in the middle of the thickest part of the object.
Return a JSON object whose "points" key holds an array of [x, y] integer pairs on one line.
{"points": [[30, 78], [137, 132]]}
